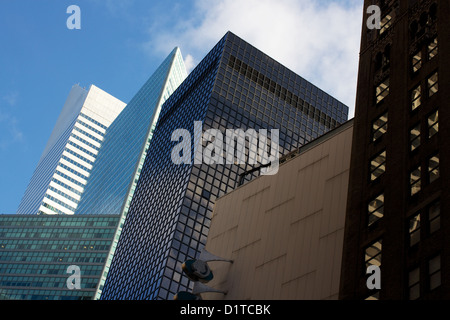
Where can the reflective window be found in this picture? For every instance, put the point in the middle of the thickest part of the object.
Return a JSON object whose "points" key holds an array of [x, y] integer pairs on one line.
{"points": [[378, 165], [375, 296], [433, 168], [433, 49], [386, 23], [373, 254], [417, 61], [379, 126], [416, 99], [382, 90], [433, 123], [414, 137], [376, 209], [433, 84], [415, 180], [414, 229]]}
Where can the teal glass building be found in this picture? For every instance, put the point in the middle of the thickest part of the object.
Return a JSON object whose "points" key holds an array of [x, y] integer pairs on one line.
{"points": [[37, 250], [106, 195], [125, 145], [235, 86], [113, 179]]}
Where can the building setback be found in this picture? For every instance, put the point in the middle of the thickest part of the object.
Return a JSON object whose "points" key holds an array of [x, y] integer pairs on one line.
{"points": [[235, 86], [399, 195], [284, 233], [65, 165]]}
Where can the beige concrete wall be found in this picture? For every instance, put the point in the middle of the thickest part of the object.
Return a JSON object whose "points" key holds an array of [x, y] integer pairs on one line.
{"points": [[285, 232]]}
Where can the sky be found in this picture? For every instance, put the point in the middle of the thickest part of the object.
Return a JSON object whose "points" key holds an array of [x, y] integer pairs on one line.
{"points": [[122, 42]]}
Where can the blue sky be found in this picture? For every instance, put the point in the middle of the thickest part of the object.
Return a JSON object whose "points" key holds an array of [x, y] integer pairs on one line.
{"points": [[121, 43]]}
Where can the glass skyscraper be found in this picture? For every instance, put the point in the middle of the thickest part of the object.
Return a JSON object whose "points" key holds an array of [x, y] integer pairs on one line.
{"points": [[235, 86], [113, 178], [71, 151], [126, 142], [37, 252]]}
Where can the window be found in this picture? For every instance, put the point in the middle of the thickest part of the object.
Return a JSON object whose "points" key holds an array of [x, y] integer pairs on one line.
{"points": [[414, 284], [434, 216], [374, 296], [434, 272], [373, 254], [433, 84], [433, 49], [416, 97], [378, 165], [386, 22], [417, 61], [433, 123], [376, 209], [379, 126], [433, 168], [414, 137], [415, 180], [414, 229], [382, 90]]}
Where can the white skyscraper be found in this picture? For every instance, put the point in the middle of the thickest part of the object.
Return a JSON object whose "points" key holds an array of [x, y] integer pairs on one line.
{"points": [[66, 163]]}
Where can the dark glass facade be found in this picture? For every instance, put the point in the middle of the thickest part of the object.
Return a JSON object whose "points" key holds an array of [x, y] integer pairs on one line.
{"points": [[235, 86], [37, 250]]}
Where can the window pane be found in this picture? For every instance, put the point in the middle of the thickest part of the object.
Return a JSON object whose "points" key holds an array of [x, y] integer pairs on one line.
{"points": [[433, 84], [416, 99], [379, 126], [382, 90], [373, 254], [414, 284], [386, 22], [375, 296], [434, 270], [414, 137], [433, 49], [377, 166], [417, 61], [433, 124], [414, 276], [415, 177], [434, 216], [433, 168], [414, 230], [435, 264], [376, 209]]}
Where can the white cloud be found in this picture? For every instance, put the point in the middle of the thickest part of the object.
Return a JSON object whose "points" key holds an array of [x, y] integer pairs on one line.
{"points": [[189, 62], [316, 39]]}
